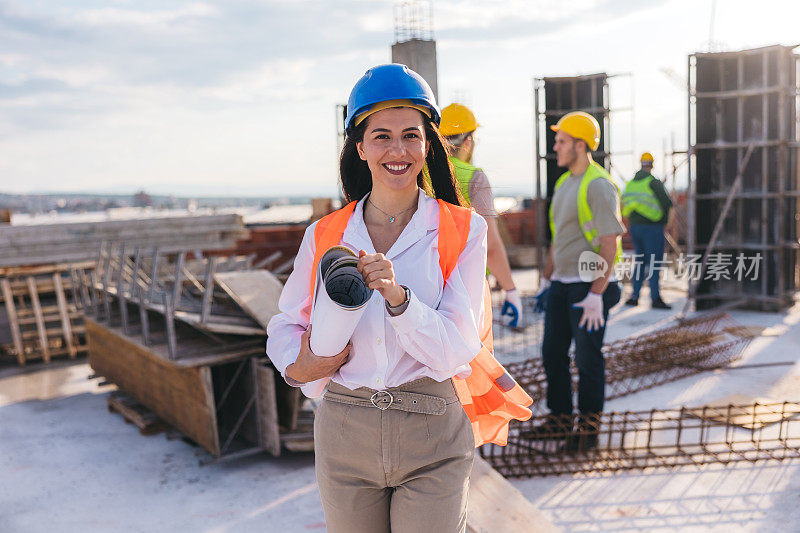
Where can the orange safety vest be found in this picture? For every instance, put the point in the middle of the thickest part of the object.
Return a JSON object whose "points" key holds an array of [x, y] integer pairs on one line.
{"points": [[490, 396]]}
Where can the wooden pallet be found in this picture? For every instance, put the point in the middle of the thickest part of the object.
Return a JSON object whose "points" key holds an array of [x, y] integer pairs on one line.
{"points": [[137, 414]]}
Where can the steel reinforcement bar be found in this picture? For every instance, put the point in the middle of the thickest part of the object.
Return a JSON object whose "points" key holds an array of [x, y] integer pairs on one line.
{"points": [[638, 363], [659, 438]]}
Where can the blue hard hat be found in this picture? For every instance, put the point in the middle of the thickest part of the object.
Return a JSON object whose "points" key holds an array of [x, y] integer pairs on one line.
{"points": [[389, 82]]}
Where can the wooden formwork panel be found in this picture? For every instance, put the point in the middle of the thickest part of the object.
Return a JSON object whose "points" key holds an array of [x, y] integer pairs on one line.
{"points": [[182, 396]]}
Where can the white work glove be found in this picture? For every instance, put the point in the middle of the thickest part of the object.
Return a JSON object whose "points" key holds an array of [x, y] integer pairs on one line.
{"points": [[592, 307], [511, 313]]}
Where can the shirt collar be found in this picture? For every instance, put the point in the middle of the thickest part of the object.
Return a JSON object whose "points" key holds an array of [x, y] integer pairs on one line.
{"points": [[424, 219]]}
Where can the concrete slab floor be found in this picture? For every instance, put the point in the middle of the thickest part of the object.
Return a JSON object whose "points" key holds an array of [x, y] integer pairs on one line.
{"points": [[67, 464]]}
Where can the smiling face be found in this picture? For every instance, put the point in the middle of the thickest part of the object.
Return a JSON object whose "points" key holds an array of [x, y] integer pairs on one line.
{"points": [[394, 147]]}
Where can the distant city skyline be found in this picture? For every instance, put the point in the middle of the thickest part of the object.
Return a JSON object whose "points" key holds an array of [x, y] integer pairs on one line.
{"points": [[237, 98]]}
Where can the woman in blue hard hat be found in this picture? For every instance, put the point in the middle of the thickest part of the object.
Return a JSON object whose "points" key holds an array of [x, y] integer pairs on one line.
{"points": [[394, 447]]}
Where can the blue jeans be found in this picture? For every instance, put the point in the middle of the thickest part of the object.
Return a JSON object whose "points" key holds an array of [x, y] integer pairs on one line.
{"points": [[648, 241], [560, 328]]}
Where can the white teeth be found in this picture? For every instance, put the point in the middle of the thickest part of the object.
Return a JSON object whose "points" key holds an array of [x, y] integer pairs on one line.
{"points": [[397, 168]]}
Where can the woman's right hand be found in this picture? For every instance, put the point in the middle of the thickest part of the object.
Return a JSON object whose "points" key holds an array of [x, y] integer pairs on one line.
{"points": [[310, 367]]}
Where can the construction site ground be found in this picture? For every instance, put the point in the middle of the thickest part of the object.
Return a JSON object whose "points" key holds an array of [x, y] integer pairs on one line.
{"points": [[68, 464]]}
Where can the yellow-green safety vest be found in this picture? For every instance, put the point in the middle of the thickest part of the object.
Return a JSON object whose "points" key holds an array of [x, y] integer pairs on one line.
{"points": [[639, 197], [464, 172], [585, 217]]}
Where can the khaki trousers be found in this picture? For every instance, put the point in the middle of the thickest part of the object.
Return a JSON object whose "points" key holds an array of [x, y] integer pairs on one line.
{"points": [[393, 470]]}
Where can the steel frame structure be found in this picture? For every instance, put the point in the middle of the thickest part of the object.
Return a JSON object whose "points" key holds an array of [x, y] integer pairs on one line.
{"points": [[735, 100]]}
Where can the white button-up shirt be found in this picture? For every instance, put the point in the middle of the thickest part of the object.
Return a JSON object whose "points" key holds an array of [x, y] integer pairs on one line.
{"points": [[436, 336]]}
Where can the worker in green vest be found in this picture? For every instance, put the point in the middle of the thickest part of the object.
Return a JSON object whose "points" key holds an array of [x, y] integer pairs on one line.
{"points": [[646, 204], [586, 226], [458, 128]]}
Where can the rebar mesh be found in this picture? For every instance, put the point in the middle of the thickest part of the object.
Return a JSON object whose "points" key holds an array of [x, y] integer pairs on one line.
{"points": [[656, 439], [638, 363]]}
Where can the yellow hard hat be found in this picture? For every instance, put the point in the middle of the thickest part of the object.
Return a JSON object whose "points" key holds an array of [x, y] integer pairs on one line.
{"points": [[647, 157], [456, 119], [582, 126]]}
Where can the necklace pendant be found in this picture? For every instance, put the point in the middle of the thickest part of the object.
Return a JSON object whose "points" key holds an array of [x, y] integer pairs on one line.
{"points": [[391, 219]]}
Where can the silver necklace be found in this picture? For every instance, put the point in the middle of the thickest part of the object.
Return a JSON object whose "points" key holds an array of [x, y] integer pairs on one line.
{"points": [[390, 217]]}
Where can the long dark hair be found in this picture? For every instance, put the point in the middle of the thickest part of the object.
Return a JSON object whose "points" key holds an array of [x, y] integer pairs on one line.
{"points": [[356, 178]]}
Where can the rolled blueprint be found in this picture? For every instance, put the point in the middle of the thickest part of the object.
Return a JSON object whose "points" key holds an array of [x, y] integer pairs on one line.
{"points": [[340, 299]]}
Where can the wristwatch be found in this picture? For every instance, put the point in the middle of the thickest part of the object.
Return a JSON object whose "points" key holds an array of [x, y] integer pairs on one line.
{"points": [[399, 309]]}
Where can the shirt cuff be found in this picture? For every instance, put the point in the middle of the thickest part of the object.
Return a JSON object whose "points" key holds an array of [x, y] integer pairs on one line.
{"points": [[411, 318]]}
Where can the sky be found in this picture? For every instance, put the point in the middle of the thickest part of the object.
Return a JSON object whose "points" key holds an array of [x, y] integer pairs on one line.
{"points": [[237, 97]]}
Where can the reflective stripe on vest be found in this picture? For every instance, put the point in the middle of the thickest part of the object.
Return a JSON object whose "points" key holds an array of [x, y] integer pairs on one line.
{"points": [[585, 217], [639, 197], [490, 396], [464, 172]]}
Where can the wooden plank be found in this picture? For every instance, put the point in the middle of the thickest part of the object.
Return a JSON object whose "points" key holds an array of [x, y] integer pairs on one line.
{"points": [[210, 404], [21, 245], [267, 260], [116, 230], [11, 311], [284, 267], [496, 505], [177, 279], [44, 269], [208, 290], [54, 352], [137, 414], [182, 396], [289, 400], [63, 312], [87, 290], [153, 274], [194, 319], [50, 312], [269, 435], [123, 304], [255, 291], [49, 333], [37, 311]]}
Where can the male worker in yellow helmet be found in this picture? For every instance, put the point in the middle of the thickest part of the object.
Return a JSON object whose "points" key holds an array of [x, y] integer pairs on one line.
{"points": [[586, 226], [646, 204], [458, 128]]}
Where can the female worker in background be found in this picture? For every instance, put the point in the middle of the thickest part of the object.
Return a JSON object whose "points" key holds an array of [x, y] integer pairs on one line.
{"points": [[394, 447]]}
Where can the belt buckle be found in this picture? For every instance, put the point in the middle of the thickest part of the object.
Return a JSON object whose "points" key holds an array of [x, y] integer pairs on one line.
{"points": [[378, 396]]}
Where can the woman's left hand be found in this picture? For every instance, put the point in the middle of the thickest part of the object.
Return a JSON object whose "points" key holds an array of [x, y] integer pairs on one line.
{"points": [[378, 274]]}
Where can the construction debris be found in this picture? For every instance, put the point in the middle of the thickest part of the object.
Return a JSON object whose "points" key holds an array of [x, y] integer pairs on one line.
{"points": [[186, 339]]}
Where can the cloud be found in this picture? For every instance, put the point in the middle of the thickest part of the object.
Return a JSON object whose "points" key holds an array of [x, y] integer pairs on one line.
{"points": [[144, 87]]}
